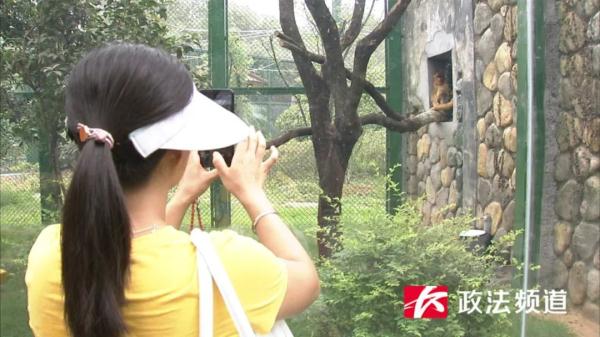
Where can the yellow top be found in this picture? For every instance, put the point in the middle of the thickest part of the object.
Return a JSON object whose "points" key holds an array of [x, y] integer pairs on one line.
{"points": [[162, 296]]}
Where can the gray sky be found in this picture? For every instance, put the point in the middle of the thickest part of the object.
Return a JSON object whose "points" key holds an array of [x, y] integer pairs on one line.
{"points": [[271, 7]]}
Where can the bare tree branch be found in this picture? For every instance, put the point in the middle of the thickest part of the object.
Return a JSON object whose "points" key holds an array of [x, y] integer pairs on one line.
{"points": [[362, 25], [313, 26], [368, 44], [355, 24], [288, 43], [317, 91], [289, 135], [407, 124], [285, 82], [333, 68], [287, 19], [328, 31]]}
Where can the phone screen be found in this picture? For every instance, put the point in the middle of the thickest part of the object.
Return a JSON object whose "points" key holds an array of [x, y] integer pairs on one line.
{"points": [[225, 98]]}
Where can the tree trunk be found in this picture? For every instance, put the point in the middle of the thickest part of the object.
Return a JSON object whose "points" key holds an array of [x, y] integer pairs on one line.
{"points": [[50, 181], [332, 164]]}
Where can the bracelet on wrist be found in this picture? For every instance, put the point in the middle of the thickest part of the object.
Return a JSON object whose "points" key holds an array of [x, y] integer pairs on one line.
{"points": [[260, 216]]}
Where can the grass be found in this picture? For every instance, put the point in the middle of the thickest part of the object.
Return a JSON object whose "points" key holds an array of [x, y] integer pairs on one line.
{"points": [[540, 327], [16, 240]]}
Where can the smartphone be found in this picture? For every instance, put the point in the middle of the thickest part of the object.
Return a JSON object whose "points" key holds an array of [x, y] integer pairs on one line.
{"points": [[225, 98]]}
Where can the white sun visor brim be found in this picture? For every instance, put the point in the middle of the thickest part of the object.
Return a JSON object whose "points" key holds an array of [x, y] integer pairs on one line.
{"points": [[201, 125]]}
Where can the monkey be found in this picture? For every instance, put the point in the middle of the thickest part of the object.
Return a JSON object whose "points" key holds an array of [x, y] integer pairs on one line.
{"points": [[441, 96]]}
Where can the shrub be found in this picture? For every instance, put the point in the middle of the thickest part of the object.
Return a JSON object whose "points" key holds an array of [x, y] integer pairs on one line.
{"points": [[362, 284]]}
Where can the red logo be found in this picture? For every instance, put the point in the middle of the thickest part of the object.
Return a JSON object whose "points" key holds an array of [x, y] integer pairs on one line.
{"points": [[425, 302]]}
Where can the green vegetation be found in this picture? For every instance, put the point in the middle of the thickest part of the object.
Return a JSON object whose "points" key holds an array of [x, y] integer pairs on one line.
{"points": [[361, 285], [16, 240], [541, 327]]}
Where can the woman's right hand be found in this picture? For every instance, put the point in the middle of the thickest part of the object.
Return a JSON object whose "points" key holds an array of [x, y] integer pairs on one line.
{"points": [[247, 174]]}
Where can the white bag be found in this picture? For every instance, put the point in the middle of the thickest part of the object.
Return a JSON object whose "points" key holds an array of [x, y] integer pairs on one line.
{"points": [[209, 269]]}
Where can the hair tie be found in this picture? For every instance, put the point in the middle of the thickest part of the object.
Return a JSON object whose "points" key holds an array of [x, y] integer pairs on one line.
{"points": [[97, 134]]}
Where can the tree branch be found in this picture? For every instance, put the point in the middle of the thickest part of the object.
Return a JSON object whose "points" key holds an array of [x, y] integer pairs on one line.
{"points": [[328, 31], [288, 43], [368, 44], [317, 90], [355, 24], [333, 68], [289, 135], [287, 19], [285, 82], [362, 25], [407, 124]]}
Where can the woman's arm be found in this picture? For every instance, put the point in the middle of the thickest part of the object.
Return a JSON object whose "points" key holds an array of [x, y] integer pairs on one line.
{"points": [[195, 181], [303, 280], [176, 209], [245, 179]]}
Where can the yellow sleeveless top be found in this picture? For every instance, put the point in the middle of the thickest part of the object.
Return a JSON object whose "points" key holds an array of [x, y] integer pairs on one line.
{"points": [[162, 295]]}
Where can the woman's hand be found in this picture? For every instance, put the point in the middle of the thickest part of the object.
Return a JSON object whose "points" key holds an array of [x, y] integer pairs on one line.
{"points": [[247, 174], [195, 179]]}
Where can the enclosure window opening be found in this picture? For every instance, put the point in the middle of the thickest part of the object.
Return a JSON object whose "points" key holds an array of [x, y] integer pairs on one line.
{"points": [[441, 88]]}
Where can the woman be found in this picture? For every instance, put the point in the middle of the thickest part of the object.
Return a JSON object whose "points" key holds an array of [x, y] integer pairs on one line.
{"points": [[117, 265]]}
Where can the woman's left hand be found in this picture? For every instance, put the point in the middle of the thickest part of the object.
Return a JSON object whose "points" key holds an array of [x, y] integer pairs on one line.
{"points": [[195, 180]]}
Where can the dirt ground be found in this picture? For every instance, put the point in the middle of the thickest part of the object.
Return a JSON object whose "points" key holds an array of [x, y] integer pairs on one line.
{"points": [[579, 324]]}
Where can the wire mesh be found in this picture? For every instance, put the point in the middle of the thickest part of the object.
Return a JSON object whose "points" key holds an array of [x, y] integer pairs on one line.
{"points": [[256, 60]]}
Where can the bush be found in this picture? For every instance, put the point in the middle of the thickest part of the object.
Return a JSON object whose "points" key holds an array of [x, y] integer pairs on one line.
{"points": [[362, 285]]}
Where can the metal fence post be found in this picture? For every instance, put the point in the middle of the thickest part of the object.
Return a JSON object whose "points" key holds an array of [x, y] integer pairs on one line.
{"points": [[394, 95], [220, 199], [523, 127]]}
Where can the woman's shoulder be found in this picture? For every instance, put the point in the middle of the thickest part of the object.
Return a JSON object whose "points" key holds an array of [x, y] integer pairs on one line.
{"points": [[46, 242], [230, 242], [242, 254], [44, 257]]}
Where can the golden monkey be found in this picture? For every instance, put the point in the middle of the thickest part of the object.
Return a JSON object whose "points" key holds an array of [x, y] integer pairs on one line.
{"points": [[441, 96]]}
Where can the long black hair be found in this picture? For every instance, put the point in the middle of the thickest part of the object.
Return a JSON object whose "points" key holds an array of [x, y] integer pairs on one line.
{"points": [[119, 88]]}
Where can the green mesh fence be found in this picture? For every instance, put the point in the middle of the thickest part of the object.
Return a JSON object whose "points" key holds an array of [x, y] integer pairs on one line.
{"points": [[256, 64]]}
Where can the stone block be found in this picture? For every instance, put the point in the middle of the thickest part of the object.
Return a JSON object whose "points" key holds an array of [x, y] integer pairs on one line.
{"points": [[573, 33], [577, 284], [568, 200], [482, 155], [510, 139], [585, 238], [494, 210], [482, 17], [562, 167], [590, 206], [503, 59], [562, 237]]}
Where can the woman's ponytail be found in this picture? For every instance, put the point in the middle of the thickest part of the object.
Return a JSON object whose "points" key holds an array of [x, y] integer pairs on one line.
{"points": [[119, 88], [96, 243]]}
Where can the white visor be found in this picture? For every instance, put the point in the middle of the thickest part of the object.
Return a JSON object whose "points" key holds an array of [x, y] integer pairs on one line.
{"points": [[201, 125]]}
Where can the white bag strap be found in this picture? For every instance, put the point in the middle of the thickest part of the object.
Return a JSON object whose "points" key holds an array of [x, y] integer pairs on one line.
{"points": [[205, 248], [205, 288]]}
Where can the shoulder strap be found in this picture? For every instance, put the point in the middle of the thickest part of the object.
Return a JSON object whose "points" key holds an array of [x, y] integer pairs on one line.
{"points": [[206, 250], [205, 290]]}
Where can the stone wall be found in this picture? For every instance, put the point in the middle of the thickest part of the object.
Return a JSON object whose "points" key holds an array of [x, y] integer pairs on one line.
{"points": [[495, 30], [577, 166], [433, 164], [469, 163], [438, 160]]}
